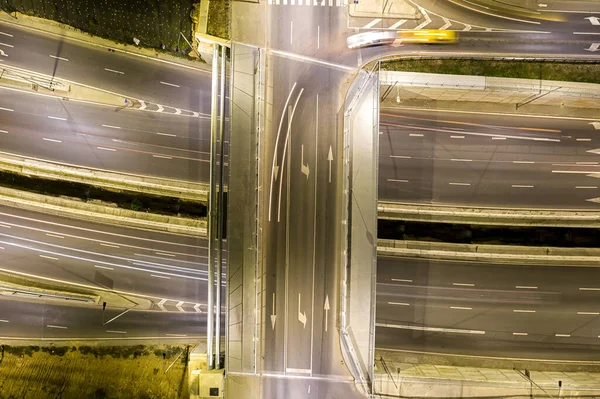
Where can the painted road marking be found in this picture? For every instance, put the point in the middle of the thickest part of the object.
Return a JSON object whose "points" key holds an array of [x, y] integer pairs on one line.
{"points": [[460, 308], [399, 303], [526, 287], [48, 257], [116, 331], [6, 34], [372, 23], [111, 126], [519, 333], [498, 138], [523, 311], [397, 24], [432, 329], [3, 321], [106, 149], [114, 71], [164, 254], [3, 131], [464, 284], [586, 33], [416, 135], [402, 280], [589, 313], [6, 45], [459, 184], [166, 134], [59, 58], [461, 160], [176, 335], [109, 245], [523, 161], [54, 235], [586, 186], [521, 186], [157, 276], [6, 109], [161, 156], [563, 335], [169, 84], [583, 139], [400, 156], [104, 267], [55, 326], [52, 140], [398, 180], [57, 118], [457, 137]]}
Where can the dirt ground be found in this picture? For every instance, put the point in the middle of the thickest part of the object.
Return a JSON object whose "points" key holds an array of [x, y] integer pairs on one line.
{"points": [[98, 372]]}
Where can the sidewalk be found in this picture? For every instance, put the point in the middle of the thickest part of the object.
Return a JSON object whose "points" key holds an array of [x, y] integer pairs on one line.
{"points": [[383, 9]]}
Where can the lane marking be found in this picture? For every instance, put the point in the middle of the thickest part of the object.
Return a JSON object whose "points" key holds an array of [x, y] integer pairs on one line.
{"points": [[498, 138], [6, 109], [583, 139], [461, 160], [111, 126], [6, 34], [563, 335], [589, 289], [161, 156], [397, 24], [464, 284], [55, 326], [586, 186], [54, 235], [402, 280], [398, 180], [586, 163], [586, 33], [519, 333], [372, 23], [52, 140], [521, 186], [109, 245], [589, 313], [459, 184], [106, 149], [399, 303], [3, 131], [157, 276], [48, 257], [432, 329], [57, 118], [526, 287], [116, 331], [59, 58], [164, 254], [523, 311], [114, 71], [400, 156], [299, 371], [104, 267], [6, 45], [169, 84], [523, 162], [3, 321], [460, 308], [176, 335], [457, 137], [166, 134], [5, 226], [416, 134]]}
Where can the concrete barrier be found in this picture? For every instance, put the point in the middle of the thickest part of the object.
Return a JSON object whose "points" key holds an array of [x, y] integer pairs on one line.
{"points": [[487, 216], [507, 254], [100, 213], [101, 178]]}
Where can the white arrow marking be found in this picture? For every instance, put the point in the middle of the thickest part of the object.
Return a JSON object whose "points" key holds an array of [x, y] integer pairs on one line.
{"points": [[143, 106], [330, 158], [326, 308], [596, 200], [301, 315], [593, 47], [273, 316], [596, 151], [160, 108], [593, 20], [304, 168], [3, 53], [595, 124], [179, 306], [161, 305], [467, 28], [426, 22], [447, 23], [197, 308]]}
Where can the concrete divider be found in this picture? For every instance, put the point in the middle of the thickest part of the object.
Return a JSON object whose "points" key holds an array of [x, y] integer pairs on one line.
{"points": [[101, 213], [102, 178], [488, 216], [509, 254]]}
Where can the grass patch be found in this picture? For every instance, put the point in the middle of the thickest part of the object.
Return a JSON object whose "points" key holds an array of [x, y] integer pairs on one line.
{"points": [[498, 235], [126, 200], [153, 22], [218, 19], [568, 72], [93, 372]]}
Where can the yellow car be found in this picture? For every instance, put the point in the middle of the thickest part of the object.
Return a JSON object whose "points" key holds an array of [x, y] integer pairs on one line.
{"points": [[427, 36]]}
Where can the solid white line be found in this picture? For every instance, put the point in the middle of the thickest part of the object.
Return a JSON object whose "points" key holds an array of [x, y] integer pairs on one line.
{"points": [[519, 333], [521, 186], [589, 289], [464, 284], [109, 245], [523, 311], [402, 280], [116, 331], [106, 149], [6, 45], [166, 134], [399, 303], [48, 257], [583, 139], [457, 137], [459, 184], [460, 308], [461, 160], [526, 287], [115, 71], [59, 58], [6, 109], [57, 118], [586, 33], [563, 335], [6, 34], [52, 140], [169, 84], [111, 126], [372, 23], [400, 156], [586, 186], [54, 235], [523, 161], [589, 313], [161, 156], [432, 329], [416, 134], [53, 326], [104, 267], [398, 180], [165, 277]]}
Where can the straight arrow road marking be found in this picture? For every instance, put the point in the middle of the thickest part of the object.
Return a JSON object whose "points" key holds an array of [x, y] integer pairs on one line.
{"points": [[305, 168], [330, 158], [593, 47], [326, 308], [301, 315], [273, 316]]}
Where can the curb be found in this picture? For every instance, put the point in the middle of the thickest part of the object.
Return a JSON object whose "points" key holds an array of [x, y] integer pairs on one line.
{"points": [[506, 254], [487, 216], [101, 214], [102, 178]]}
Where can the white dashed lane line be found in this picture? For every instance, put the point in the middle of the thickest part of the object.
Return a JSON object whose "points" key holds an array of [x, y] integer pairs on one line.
{"points": [[111, 126], [402, 280], [3, 321], [157, 276], [519, 333], [562, 335], [594, 187], [457, 137], [3, 131], [6, 34], [162, 156], [58, 118], [6, 45], [116, 332], [106, 149], [166, 134], [526, 287], [114, 71], [400, 156], [464, 284], [52, 140], [399, 303], [459, 184], [397, 180], [169, 84], [55, 326], [6, 109], [523, 311], [521, 186], [589, 313], [104, 267], [416, 135], [58, 58], [460, 308]]}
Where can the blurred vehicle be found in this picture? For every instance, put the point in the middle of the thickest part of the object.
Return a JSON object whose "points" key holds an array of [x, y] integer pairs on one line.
{"points": [[431, 36], [374, 38]]}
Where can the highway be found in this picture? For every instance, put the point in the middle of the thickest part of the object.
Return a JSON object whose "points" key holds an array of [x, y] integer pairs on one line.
{"points": [[487, 309]]}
